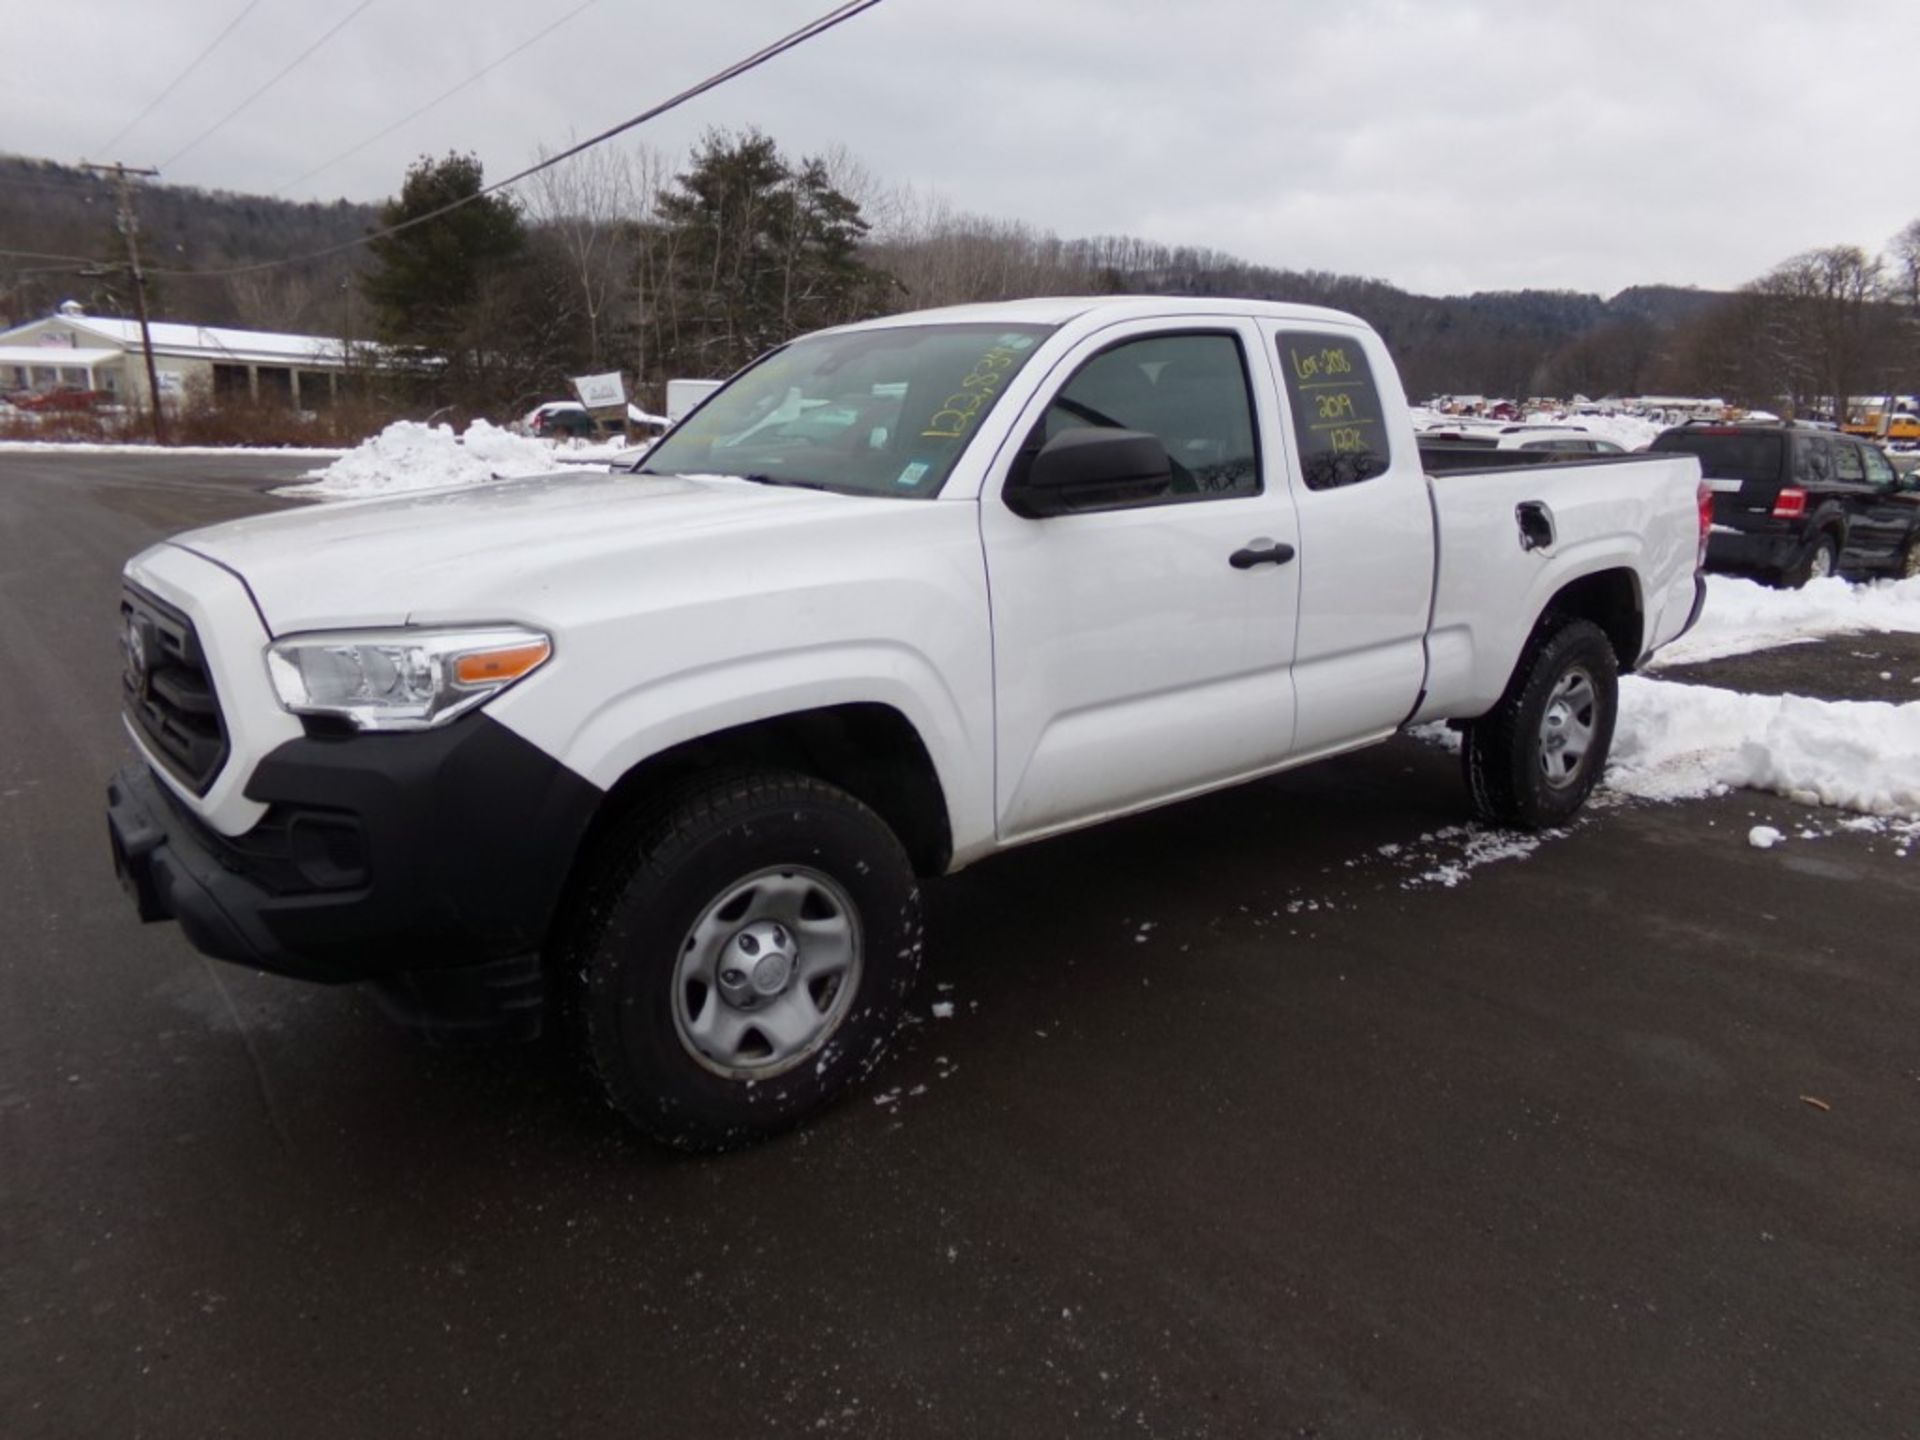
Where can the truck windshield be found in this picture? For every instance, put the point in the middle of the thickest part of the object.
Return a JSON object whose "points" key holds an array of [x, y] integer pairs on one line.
{"points": [[869, 412]]}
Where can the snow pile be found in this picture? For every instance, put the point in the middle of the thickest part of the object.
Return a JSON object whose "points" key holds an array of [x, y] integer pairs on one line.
{"points": [[408, 455], [1680, 741], [1741, 615]]}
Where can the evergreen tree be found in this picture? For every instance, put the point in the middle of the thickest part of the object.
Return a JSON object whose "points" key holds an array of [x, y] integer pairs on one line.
{"points": [[756, 252], [460, 293]]}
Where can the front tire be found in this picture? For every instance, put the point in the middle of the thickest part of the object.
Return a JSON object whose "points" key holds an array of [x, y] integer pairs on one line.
{"points": [[1533, 759], [744, 955]]}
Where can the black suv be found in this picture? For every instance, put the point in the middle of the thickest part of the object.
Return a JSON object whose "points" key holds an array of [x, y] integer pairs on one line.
{"points": [[1792, 504]]}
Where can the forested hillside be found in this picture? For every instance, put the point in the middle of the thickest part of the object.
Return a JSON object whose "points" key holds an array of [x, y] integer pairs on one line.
{"points": [[661, 266]]}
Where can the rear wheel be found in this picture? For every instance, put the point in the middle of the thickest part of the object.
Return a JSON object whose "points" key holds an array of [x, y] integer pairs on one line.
{"points": [[743, 956], [1534, 758], [1822, 561], [1910, 559]]}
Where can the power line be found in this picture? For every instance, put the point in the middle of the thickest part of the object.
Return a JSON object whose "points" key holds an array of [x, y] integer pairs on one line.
{"points": [[444, 96], [44, 255], [192, 65], [839, 15], [279, 75]]}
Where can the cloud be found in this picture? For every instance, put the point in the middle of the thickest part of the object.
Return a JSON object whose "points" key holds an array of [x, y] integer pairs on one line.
{"points": [[1444, 147]]}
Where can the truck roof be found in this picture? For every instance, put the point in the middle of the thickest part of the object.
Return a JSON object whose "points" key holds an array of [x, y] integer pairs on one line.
{"points": [[1058, 310]]}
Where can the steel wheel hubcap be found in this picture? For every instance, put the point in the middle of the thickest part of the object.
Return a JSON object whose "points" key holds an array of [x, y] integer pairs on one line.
{"points": [[1911, 567], [1822, 565], [1566, 729], [767, 972]]}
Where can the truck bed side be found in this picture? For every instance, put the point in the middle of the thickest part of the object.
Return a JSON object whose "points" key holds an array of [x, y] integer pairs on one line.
{"points": [[1631, 519]]}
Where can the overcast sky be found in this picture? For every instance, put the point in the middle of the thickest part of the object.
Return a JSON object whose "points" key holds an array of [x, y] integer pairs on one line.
{"points": [[1441, 146]]}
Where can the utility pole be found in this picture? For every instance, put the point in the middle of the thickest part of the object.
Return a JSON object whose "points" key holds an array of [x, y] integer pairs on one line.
{"points": [[130, 228]]}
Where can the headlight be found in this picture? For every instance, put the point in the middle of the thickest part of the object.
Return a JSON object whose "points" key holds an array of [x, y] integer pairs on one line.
{"points": [[402, 679]]}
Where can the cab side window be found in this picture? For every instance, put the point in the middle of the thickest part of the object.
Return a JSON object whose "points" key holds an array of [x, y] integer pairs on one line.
{"points": [[1188, 391]]}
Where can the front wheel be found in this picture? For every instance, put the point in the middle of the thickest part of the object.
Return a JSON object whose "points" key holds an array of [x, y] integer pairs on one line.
{"points": [[743, 956], [1534, 758]]}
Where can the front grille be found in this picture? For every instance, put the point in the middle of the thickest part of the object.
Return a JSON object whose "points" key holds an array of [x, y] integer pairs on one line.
{"points": [[168, 691]]}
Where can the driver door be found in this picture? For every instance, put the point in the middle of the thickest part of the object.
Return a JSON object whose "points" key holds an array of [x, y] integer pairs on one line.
{"points": [[1134, 660]]}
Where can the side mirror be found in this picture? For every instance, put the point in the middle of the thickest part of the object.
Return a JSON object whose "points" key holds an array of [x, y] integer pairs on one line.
{"points": [[1091, 469]]}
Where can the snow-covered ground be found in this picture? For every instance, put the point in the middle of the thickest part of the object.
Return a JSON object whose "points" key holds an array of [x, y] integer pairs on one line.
{"points": [[1677, 740], [408, 456], [1742, 616]]}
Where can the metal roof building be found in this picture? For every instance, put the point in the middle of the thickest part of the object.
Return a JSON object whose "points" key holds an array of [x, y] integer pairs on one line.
{"points": [[74, 350]]}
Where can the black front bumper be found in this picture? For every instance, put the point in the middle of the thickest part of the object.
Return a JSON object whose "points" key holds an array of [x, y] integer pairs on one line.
{"points": [[432, 862]]}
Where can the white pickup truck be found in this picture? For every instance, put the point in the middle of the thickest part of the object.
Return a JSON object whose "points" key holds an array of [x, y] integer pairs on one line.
{"points": [[670, 748]]}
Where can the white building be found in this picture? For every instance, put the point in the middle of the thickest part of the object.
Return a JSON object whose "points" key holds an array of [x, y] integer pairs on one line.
{"points": [[77, 351]]}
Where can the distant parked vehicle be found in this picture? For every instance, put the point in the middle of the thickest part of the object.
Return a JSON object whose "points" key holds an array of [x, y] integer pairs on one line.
{"points": [[1792, 503], [63, 401], [567, 420]]}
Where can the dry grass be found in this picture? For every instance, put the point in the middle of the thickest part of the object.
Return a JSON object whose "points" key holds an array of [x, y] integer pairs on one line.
{"points": [[202, 421]]}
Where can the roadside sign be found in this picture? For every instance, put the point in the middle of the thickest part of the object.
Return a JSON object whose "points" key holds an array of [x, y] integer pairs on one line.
{"points": [[600, 391]]}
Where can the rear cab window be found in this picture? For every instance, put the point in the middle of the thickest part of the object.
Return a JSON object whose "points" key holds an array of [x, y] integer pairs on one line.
{"points": [[1336, 408]]}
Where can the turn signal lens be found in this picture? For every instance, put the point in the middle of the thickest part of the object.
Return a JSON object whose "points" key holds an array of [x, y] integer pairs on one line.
{"points": [[498, 667]]}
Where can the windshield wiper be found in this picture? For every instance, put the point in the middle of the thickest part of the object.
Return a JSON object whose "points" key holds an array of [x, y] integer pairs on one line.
{"points": [[760, 478], [757, 477]]}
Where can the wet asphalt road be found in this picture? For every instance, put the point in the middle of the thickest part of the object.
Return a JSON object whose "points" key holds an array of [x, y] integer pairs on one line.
{"points": [[1240, 1128]]}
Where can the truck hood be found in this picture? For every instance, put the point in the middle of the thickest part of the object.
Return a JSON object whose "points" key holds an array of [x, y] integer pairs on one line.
{"points": [[490, 552]]}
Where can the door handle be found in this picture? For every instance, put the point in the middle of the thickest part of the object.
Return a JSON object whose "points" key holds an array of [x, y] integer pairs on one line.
{"points": [[1260, 552]]}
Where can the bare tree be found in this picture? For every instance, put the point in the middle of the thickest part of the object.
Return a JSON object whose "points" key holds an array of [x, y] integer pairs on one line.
{"points": [[1824, 318], [589, 204]]}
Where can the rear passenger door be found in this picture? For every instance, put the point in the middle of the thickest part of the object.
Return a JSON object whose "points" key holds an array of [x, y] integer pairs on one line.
{"points": [[1367, 551]]}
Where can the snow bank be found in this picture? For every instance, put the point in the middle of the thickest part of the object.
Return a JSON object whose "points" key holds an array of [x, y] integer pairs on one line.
{"points": [[1742, 616], [408, 455], [1677, 742]]}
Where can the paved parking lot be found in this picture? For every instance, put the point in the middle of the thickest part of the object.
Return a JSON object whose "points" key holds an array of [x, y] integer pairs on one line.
{"points": [[1247, 1123]]}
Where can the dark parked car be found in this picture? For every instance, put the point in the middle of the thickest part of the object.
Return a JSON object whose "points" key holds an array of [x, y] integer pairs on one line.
{"points": [[1792, 504]]}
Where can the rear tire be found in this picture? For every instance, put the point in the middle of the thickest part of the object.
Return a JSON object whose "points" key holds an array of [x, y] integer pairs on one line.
{"points": [[1533, 759], [743, 955], [1910, 559], [1822, 561]]}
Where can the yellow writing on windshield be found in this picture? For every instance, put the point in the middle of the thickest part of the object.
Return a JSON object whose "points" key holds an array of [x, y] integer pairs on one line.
{"points": [[974, 393]]}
